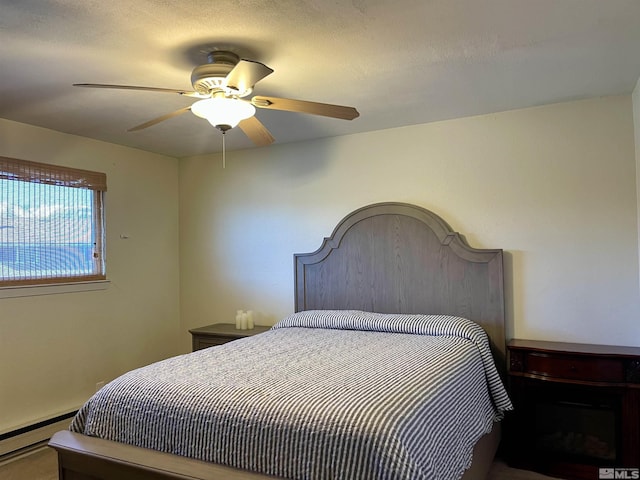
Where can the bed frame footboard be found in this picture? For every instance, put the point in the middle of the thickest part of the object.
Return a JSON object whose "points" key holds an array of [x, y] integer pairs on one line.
{"points": [[87, 458]]}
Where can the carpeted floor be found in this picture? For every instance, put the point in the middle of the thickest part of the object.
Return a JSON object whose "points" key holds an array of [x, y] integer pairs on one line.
{"points": [[42, 464]]}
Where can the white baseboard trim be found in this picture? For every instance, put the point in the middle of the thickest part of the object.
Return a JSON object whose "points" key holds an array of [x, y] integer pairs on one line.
{"points": [[27, 437], [20, 454]]}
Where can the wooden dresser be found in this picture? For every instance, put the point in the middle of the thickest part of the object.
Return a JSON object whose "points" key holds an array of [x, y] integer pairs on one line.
{"points": [[577, 408], [219, 333]]}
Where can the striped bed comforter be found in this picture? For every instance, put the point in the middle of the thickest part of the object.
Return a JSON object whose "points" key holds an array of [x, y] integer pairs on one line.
{"points": [[323, 395]]}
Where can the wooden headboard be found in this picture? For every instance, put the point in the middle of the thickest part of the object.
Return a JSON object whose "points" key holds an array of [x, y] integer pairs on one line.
{"points": [[400, 258]]}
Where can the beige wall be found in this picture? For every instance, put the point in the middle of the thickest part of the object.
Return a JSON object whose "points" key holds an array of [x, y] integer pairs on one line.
{"points": [[55, 348], [553, 186]]}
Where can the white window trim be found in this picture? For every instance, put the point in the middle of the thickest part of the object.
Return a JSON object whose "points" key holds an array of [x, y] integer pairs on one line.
{"points": [[52, 289]]}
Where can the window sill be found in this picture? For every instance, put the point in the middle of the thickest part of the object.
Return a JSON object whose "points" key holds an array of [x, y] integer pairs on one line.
{"points": [[33, 290]]}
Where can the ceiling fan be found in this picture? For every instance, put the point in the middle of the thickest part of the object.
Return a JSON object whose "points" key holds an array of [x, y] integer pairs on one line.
{"points": [[221, 85]]}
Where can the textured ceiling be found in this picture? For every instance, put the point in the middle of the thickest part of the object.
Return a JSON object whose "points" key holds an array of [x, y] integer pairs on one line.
{"points": [[398, 62]]}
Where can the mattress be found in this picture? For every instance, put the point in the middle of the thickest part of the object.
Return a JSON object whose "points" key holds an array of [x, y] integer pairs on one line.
{"points": [[323, 395]]}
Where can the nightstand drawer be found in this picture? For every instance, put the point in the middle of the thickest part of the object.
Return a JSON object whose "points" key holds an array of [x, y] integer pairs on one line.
{"points": [[199, 343], [589, 369], [220, 333]]}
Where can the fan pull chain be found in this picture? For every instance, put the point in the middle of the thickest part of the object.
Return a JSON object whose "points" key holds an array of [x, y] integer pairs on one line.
{"points": [[224, 153]]}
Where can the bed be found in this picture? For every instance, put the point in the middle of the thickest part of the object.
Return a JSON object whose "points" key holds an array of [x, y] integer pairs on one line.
{"points": [[397, 331]]}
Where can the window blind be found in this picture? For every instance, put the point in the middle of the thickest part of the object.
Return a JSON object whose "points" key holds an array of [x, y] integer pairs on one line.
{"points": [[51, 223], [34, 172]]}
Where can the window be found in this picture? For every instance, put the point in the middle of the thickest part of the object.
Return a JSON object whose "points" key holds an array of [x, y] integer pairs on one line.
{"points": [[51, 224]]}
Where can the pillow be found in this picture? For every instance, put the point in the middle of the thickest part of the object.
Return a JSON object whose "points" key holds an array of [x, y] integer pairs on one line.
{"points": [[418, 324]]}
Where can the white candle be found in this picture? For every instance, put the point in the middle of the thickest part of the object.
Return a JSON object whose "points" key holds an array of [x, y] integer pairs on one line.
{"points": [[250, 319], [239, 319], [243, 321]]}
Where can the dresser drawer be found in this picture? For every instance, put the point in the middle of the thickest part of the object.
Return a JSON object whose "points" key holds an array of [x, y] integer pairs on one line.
{"points": [[574, 367]]}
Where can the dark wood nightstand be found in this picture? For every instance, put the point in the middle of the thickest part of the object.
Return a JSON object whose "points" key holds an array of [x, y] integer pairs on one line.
{"points": [[576, 407], [219, 333]]}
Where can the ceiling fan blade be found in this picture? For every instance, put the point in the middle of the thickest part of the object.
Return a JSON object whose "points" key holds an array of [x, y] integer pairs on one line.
{"points": [[246, 74], [186, 93], [160, 119], [256, 131], [324, 109]]}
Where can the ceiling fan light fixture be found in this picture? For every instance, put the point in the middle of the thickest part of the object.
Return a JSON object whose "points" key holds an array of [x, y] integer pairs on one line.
{"points": [[223, 111]]}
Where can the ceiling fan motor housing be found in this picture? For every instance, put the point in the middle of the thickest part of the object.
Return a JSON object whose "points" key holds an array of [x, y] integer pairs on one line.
{"points": [[211, 77]]}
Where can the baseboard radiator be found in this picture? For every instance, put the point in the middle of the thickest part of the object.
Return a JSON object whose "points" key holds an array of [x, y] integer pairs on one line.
{"points": [[17, 441]]}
